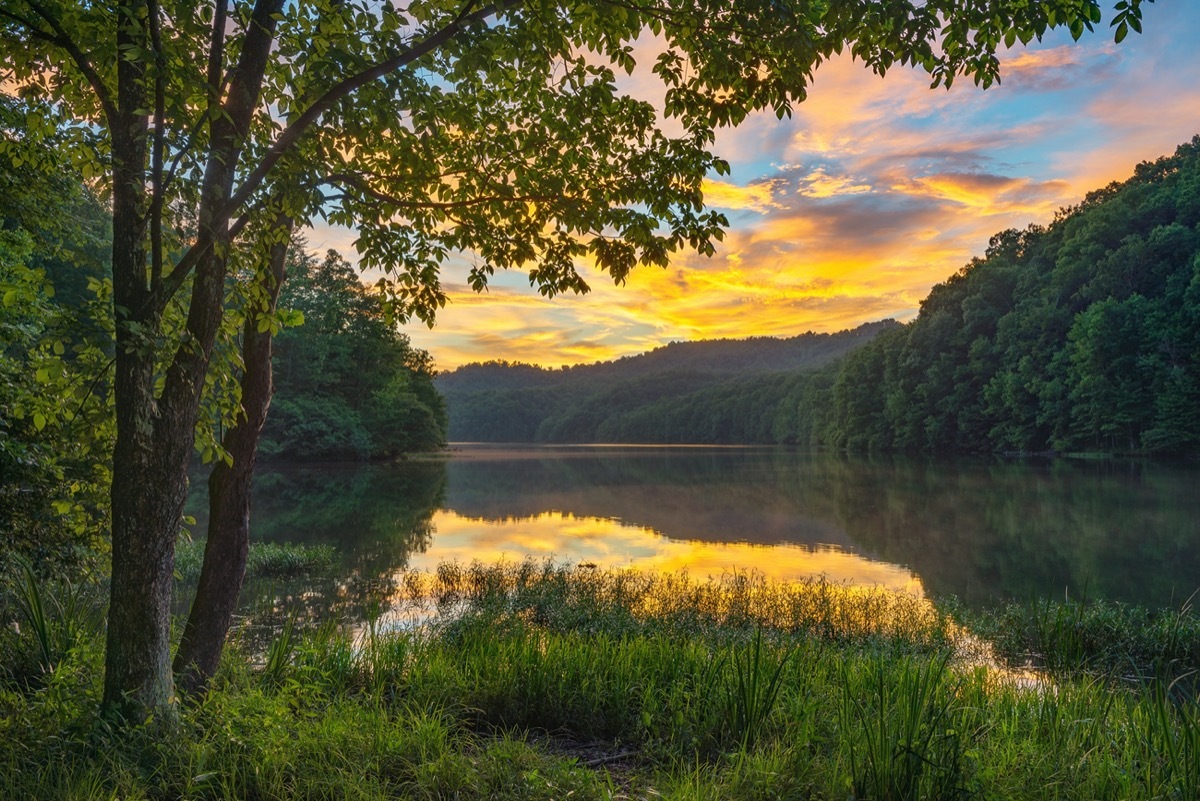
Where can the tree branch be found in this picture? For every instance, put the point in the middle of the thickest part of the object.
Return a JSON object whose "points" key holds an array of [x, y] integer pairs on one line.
{"points": [[216, 54], [229, 122], [216, 86], [292, 133], [156, 154], [359, 183], [79, 57]]}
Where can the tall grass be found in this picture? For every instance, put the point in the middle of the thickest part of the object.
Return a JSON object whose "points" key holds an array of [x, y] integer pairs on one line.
{"points": [[562, 597], [910, 731], [735, 688], [1127, 643], [51, 619], [1173, 740], [752, 694]]}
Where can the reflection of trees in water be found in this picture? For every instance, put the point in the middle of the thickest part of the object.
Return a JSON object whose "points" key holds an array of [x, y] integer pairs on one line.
{"points": [[714, 496], [312, 601], [374, 515], [978, 529], [981, 530], [984, 530]]}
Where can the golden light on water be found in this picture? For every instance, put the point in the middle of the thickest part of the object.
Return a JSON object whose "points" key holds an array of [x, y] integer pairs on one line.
{"points": [[608, 542]]}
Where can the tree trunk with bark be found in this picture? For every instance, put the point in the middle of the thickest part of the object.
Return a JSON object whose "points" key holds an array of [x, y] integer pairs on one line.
{"points": [[156, 435], [229, 488], [137, 648]]}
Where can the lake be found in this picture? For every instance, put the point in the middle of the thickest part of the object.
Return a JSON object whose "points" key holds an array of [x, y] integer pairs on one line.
{"points": [[981, 530]]}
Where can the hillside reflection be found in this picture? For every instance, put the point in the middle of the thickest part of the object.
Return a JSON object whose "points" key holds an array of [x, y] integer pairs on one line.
{"points": [[981, 530]]}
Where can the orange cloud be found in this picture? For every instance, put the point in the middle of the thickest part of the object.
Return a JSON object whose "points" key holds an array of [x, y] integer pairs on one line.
{"points": [[819, 184], [754, 197]]}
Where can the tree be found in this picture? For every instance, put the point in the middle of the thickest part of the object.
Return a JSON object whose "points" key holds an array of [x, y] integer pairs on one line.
{"points": [[434, 127], [1080, 336], [349, 385], [1111, 397], [55, 427]]}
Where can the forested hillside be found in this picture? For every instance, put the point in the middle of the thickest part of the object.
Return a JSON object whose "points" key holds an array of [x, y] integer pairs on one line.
{"points": [[1080, 336], [1083, 335], [504, 402]]}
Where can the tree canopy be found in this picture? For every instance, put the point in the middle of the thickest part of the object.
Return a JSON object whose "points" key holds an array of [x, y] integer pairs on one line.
{"points": [[348, 384], [55, 347]]}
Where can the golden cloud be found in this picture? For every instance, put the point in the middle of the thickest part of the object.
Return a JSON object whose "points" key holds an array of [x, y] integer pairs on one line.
{"points": [[874, 192], [820, 184], [753, 197]]}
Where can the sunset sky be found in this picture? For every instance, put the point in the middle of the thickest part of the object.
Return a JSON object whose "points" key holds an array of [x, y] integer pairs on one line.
{"points": [[874, 191]]}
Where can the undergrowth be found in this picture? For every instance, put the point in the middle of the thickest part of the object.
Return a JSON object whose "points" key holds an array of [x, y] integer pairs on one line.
{"points": [[736, 688], [1121, 642]]}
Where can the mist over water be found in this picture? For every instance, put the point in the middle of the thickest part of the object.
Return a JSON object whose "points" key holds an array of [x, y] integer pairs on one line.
{"points": [[982, 530]]}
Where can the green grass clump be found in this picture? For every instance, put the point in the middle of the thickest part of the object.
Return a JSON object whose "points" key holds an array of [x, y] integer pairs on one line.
{"points": [[1120, 641], [265, 559], [735, 688]]}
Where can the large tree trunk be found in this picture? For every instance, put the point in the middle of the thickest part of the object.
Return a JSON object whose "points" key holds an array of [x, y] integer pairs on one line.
{"points": [[229, 487], [155, 437], [143, 495]]}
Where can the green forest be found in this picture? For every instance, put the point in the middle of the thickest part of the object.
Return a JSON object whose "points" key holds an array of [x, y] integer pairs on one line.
{"points": [[1079, 336], [348, 384]]}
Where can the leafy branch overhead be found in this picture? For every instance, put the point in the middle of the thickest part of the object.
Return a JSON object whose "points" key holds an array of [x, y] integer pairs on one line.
{"points": [[498, 130]]}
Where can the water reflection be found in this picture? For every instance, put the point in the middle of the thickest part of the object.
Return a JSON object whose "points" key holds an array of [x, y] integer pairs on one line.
{"points": [[981, 530], [376, 516], [607, 542]]}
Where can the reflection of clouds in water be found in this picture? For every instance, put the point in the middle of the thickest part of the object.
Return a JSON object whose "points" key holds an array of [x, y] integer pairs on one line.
{"points": [[609, 543]]}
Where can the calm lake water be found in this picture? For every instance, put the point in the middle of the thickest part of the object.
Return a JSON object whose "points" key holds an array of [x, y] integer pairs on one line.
{"points": [[981, 530]]}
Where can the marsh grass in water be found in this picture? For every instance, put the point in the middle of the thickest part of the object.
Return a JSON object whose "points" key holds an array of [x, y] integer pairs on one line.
{"points": [[1121, 642], [265, 559], [735, 688]]}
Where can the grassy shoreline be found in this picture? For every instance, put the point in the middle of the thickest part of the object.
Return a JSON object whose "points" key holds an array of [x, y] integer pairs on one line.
{"points": [[540, 682]]}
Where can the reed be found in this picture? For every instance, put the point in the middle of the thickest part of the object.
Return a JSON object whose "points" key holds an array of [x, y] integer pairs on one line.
{"points": [[1126, 643]]}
